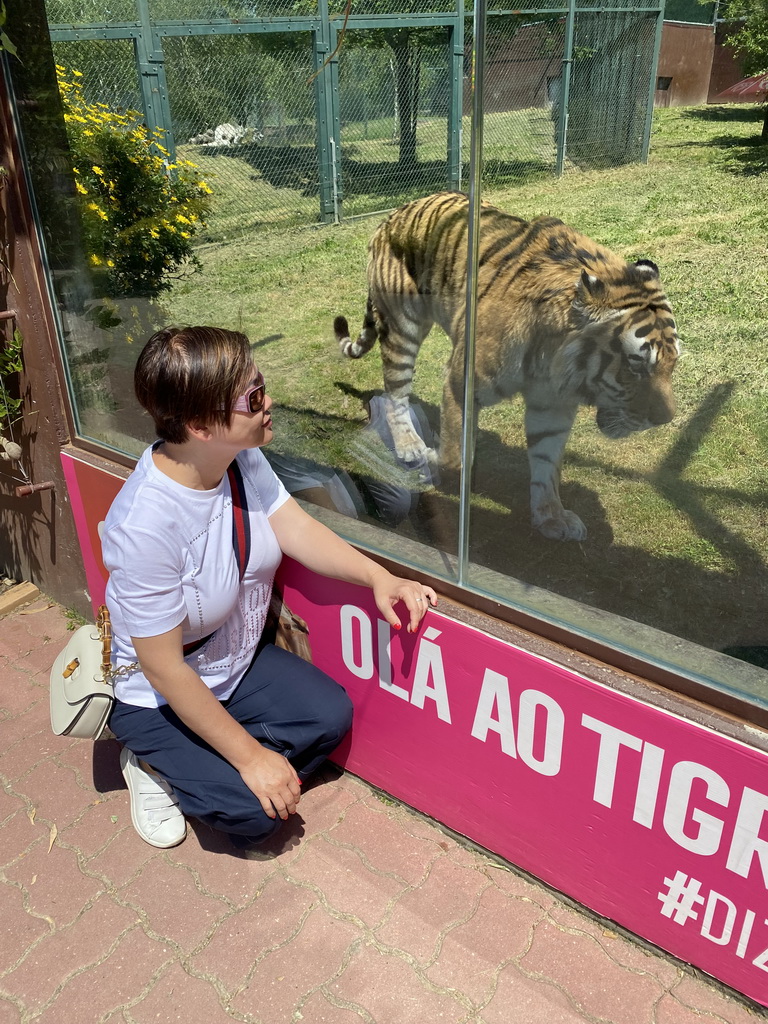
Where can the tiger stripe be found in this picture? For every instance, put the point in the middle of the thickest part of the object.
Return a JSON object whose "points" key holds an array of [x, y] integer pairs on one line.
{"points": [[560, 319]]}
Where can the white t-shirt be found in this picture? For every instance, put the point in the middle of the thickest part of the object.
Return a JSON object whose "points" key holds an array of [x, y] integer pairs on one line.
{"points": [[168, 550]]}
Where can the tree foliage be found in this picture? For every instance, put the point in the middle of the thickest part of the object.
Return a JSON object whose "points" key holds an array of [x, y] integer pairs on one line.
{"points": [[139, 211]]}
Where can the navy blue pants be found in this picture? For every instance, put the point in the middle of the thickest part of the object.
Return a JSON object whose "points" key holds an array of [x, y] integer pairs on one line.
{"points": [[287, 704]]}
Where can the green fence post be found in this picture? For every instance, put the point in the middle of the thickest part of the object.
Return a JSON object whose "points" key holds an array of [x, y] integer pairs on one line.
{"points": [[150, 60], [326, 113], [565, 88], [456, 99], [652, 85]]}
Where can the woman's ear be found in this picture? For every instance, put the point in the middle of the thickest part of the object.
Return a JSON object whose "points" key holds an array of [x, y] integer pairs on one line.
{"points": [[199, 431]]}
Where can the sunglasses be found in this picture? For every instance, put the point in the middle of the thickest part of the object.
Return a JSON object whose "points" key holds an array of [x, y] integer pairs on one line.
{"points": [[253, 399]]}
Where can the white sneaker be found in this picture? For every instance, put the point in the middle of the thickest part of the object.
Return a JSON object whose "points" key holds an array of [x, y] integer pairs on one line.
{"points": [[155, 809]]}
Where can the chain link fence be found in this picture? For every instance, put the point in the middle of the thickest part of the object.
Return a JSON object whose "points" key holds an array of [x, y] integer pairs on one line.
{"points": [[289, 127]]}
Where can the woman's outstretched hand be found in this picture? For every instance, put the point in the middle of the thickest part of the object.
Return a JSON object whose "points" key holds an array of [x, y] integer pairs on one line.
{"points": [[272, 779], [388, 590]]}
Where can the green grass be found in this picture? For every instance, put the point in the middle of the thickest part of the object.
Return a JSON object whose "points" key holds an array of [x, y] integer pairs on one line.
{"points": [[677, 517]]}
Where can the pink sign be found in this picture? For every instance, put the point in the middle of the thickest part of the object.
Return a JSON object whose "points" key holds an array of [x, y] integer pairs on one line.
{"points": [[91, 491], [650, 820]]}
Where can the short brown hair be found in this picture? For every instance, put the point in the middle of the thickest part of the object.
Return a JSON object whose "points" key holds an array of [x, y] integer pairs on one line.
{"points": [[191, 374]]}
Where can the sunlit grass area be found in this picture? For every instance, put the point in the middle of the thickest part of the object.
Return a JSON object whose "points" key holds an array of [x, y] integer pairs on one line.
{"points": [[678, 516]]}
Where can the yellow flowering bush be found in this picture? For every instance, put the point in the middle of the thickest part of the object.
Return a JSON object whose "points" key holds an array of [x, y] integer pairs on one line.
{"points": [[140, 211]]}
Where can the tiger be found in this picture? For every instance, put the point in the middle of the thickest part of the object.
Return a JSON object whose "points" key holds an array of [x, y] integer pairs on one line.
{"points": [[559, 319]]}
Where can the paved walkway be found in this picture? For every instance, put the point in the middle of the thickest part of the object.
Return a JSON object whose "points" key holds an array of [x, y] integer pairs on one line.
{"points": [[364, 913]]}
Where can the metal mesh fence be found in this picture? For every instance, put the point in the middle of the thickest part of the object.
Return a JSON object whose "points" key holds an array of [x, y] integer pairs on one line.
{"points": [[609, 94], [394, 127], [388, 118], [523, 67], [243, 111], [86, 12], [108, 67]]}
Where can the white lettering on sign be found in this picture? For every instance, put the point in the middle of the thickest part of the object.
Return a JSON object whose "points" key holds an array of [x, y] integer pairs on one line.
{"points": [[725, 927], [680, 797], [746, 835], [494, 695], [648, 784], [707, 839], [357, 654], [553, 722], [356, 645], [538, 717], [429, 669], [681, 900], [385, 661], [611, 742]]}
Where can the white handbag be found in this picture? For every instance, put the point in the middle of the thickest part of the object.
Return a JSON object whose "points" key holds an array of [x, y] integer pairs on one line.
{"points": [[82, 693]]}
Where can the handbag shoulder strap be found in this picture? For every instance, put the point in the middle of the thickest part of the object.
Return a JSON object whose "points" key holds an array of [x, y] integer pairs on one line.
{"points": [[241, 527], [241, 538]]}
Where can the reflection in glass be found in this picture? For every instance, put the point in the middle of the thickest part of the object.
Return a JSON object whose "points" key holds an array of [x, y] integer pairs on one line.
{"points": [[674, 516]]}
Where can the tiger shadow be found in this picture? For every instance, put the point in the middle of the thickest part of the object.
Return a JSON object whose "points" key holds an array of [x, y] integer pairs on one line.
{"points": [[500, 477], [670, 592]]}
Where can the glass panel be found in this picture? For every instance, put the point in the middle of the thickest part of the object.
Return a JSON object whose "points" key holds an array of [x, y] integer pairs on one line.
{"points": [[262, 155]]}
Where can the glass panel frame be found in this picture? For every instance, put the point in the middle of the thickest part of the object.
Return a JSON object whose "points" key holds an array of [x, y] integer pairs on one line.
{"points": [[704, 673]]}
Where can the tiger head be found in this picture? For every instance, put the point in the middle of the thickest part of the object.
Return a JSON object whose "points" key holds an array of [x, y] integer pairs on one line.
{"points": [[624, 347]]}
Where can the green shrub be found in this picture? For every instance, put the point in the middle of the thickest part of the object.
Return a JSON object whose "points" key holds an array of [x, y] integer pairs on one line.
{"points": [[140, 211]]}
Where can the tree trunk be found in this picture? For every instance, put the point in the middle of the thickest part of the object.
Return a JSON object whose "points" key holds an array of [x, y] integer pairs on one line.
{"points": [[407, 67], [408, 78], [764, 133]]}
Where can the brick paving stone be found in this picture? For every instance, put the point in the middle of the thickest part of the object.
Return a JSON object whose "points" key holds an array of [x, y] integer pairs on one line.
{"points": [[15, 641], [597, 985], [59, 955], [383, 846], [37, 717], [323, 806], [177, 996], [17, 693], [18, 927], [119, 977], [44, 618], [9, 1014], [95, 828], [521, 1000], [175, 908], [219, 868], [670, 1011], [403, 818], [349, 886], [472, 953], [80, 758], [123, 858], [318, 1009], [514, 884], [54, 793], [41, 872], [700, 995], [420, 917], [18, 835], [281, 980], [272, 918], [40, 655], [626, 953], [388, 989], [9, 804], [24, 747]]}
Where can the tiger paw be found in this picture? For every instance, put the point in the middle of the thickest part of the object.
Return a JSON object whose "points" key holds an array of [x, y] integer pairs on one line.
{"points": [[565, 526], [410, 448]]}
